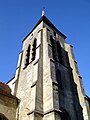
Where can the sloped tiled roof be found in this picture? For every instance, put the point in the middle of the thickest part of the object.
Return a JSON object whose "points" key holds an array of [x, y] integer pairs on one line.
{"points": [[5, 90]]}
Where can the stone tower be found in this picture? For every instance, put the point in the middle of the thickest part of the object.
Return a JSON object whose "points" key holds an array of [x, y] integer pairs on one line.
{"points": [[47, 81]]}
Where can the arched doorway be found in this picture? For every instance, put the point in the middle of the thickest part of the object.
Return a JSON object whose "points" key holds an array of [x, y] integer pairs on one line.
{"points": [[2, 117]]}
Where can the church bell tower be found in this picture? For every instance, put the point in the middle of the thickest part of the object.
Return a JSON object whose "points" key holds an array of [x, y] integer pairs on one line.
{"points": [[47, 81]]}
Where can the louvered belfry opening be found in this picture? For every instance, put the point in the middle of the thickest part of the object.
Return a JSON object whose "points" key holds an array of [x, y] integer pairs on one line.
{"points": [[34, 49]]}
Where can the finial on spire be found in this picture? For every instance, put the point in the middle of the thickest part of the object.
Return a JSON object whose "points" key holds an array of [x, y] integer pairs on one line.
{"points": [[43, 11]]}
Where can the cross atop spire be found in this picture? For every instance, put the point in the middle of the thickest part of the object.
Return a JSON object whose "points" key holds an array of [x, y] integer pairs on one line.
{"points": [[43, 11]]}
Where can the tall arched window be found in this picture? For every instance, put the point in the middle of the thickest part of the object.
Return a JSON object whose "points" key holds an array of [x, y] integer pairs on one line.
{"points": [[2, 117], [53, 43], [58, 78], [59, 50]]}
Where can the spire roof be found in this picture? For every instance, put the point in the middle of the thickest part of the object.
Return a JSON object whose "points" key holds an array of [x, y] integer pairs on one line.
{"points": [[47, 21]]}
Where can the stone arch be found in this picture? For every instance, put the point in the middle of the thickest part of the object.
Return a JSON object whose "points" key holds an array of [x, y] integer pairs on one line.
{"points": [[64, 114], [2, 117]]}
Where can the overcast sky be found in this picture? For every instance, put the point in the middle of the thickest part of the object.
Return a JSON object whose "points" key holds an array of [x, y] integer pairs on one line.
{"points": [[18, 17]]}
